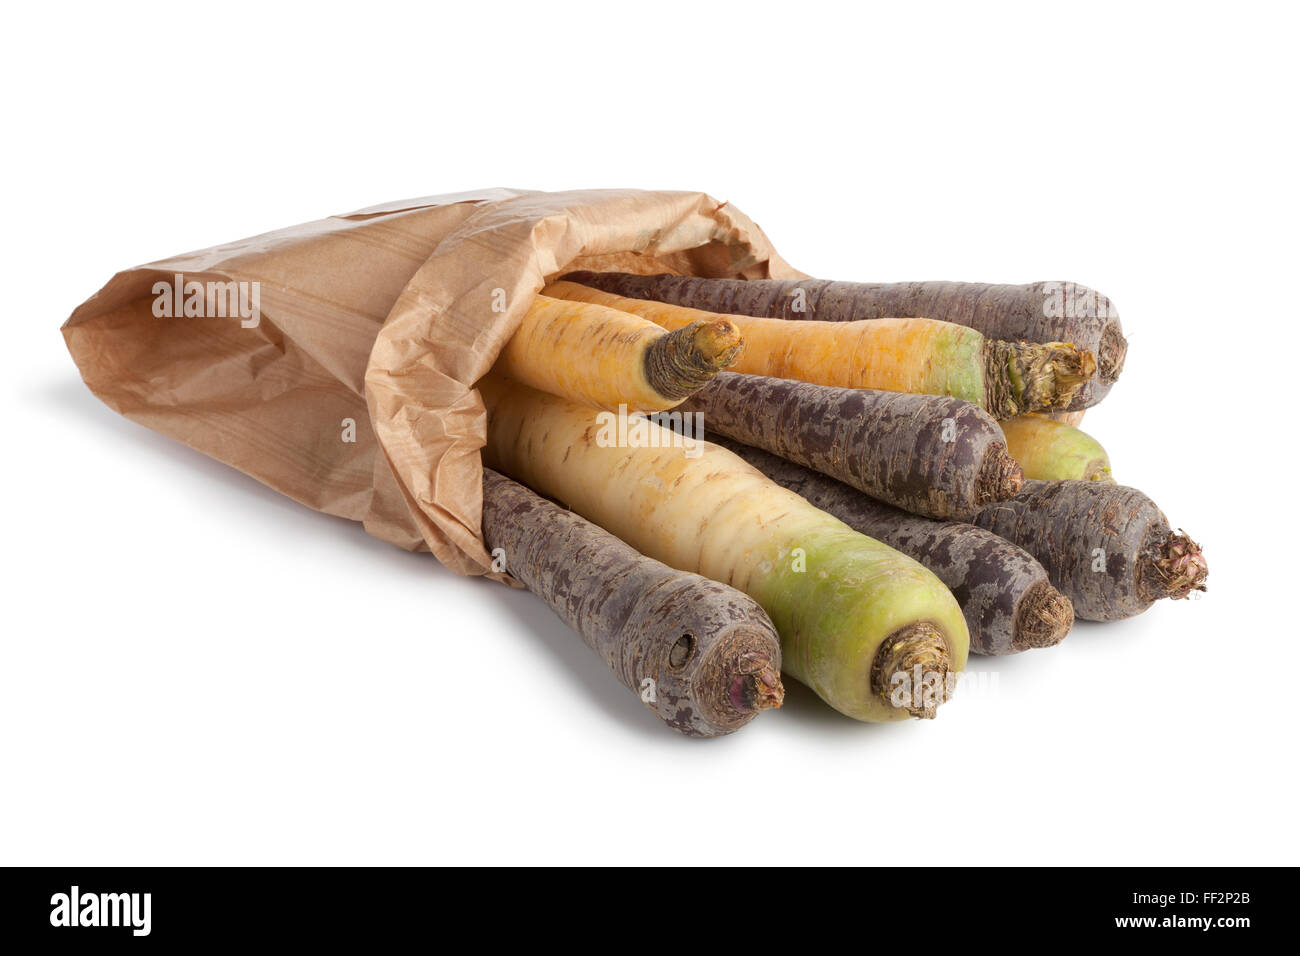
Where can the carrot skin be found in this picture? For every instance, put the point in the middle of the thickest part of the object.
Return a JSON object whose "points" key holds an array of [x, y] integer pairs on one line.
{"points": [[710, 652], [930, 455], [1004, 593], [1036, 312], [1105, 546]]}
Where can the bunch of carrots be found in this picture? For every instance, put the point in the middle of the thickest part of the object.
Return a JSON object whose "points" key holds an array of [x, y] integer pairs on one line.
{"points": [[893, 478]]}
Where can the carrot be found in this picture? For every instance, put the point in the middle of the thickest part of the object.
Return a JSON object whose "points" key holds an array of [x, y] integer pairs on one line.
{"points": [[1074, 418], [1105, 546], [1038, 312], [1005, 595], [703, 656], [930, 455], [1053, 451], [603, 357], [858, 621], [895, 355]]}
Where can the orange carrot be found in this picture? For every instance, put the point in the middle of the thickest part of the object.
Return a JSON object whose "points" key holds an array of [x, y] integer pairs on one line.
{"points": [[604, 357], [896, 355]]}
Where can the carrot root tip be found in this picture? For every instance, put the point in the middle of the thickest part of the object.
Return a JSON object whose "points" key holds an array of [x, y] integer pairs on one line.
{"points": [[1111, 352], [1028, 376], [1000, 477], [1175, 567], [737, 679], [911, 668], [1044, 617], [680, 362], [759, 689]]}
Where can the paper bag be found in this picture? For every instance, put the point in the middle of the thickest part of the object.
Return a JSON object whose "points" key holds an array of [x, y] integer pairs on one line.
{"points": [[335, 361]]}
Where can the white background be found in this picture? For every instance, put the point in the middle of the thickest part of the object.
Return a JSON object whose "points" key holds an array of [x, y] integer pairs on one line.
{"points": [[196, 670]]}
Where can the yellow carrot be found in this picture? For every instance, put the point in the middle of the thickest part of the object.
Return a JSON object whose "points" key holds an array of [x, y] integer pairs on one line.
{"points": [[1049, 450], [1074, 418], [898, 355], [605, 357]]}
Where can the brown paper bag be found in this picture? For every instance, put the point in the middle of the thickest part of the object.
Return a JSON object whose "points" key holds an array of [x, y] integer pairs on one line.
{"points": [[335, 361]]}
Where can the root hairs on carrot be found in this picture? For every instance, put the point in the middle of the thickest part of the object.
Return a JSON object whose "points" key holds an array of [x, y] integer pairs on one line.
{"points": [[1174, 568]]}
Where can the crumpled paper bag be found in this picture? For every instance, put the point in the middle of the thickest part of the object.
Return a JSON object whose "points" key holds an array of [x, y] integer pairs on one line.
{"points": [[335, 361]]}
